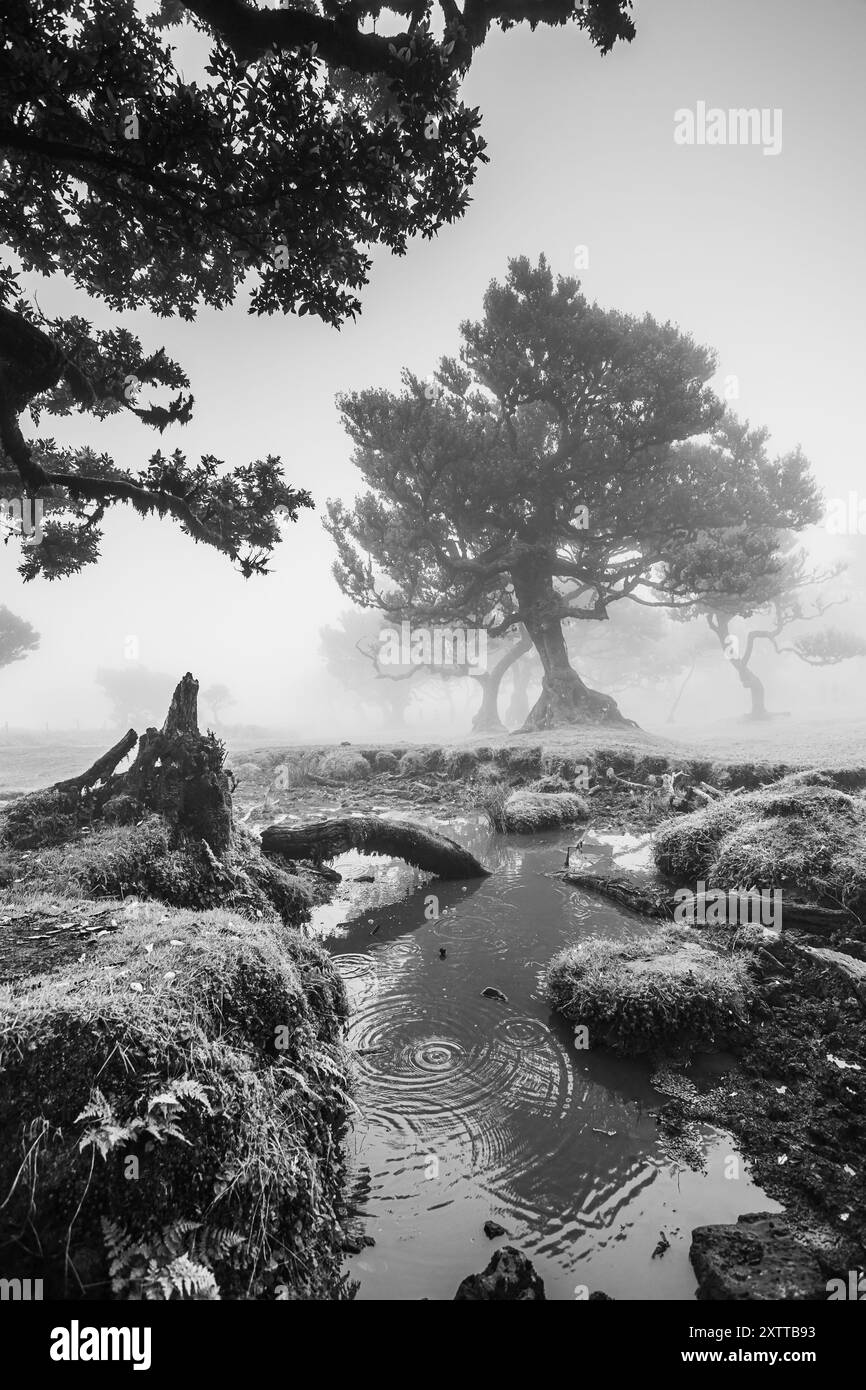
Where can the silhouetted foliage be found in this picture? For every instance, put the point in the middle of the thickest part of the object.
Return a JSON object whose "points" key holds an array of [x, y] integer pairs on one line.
{"points": [[307, 141]]}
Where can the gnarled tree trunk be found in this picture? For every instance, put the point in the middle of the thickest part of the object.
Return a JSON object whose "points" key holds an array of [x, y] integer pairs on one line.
{"points": [[564, 698], [518, 704], [721, 626], [487, 719]]}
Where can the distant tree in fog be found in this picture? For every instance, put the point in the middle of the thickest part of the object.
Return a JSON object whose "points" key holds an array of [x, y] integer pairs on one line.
{"points": [[217, 697], [351, 651], [548, 474], [761, 575], [139, 697], [522, 673], [638, 648], [319, 132], [17, 637], [509, 653]]}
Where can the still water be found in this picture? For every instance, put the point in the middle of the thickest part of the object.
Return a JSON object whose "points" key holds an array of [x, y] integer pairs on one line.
{"points": [[473, 1109]]}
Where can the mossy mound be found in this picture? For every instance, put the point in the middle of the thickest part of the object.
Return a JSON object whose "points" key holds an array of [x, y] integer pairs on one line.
{"points": [[520, 760], [665, 990], [801, 834], [458, 762], [526, 812], [148, 861], [344, 765], [385, 761], [416, 761], [171, 1110]]}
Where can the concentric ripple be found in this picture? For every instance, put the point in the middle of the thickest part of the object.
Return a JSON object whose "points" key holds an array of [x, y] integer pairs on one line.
{"points": [[436, 1056], [474, 1103]]}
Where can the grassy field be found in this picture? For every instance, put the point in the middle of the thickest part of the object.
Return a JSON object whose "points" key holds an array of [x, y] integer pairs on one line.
{"points": [[801, 743], [816, 743], [26, 766]]}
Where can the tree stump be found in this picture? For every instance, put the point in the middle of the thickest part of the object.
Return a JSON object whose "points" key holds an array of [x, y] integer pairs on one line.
{"points": [[177, 773]]}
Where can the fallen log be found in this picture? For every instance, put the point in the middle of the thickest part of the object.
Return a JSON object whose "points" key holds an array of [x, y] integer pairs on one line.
{"points": [[657, 902], [623, 889], [101, 770], [325, 839]]}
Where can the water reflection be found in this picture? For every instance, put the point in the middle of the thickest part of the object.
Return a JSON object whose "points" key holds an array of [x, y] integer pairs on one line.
{"points": [[473, 1108]]}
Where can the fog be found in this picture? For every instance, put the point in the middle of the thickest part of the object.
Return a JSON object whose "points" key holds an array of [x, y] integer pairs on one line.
{"points": [[759, 258]]}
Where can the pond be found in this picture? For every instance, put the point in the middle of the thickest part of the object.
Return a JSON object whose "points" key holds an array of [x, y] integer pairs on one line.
{"points": [[474, 1109]]}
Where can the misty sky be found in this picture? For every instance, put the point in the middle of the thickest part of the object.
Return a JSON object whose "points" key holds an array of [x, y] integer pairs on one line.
{"points": [[759, 257]]}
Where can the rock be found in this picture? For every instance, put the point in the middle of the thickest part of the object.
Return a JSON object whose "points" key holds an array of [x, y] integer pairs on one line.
{"points": [[599, 1297], [509, 1277], [386, 762], [493, 1230], [757, 1258], [490, 993], [527, 811]]}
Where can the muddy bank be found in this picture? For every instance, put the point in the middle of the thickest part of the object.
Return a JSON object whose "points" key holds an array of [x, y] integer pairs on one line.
{"points": [[630, 785], [300, 782], [796, 1102], [796, 1098]]}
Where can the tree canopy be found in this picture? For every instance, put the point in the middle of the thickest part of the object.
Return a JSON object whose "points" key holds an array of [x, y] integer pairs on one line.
{"points": [[137, 695], [310, 138], [553, 470]]}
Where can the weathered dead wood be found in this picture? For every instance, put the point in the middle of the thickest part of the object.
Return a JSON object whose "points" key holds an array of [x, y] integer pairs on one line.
{"points": [[177, 773], [652, 902], [623, 889], [102, 769], [326, 839]]}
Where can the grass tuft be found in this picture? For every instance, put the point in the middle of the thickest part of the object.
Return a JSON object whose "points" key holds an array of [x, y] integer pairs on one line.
{"points": [[176, 1094], [656, 992], [802, 834]]}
